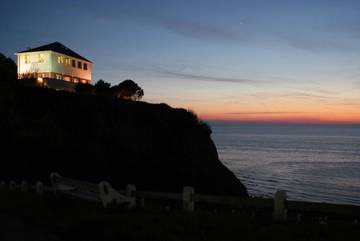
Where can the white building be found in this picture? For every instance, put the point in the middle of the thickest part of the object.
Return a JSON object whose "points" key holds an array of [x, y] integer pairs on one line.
{"points": [[54, 65]]}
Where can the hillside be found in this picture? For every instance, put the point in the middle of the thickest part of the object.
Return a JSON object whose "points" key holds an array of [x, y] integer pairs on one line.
{"points": [[94, 138]]}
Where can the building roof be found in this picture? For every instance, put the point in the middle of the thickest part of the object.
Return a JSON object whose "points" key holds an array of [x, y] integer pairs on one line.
{"points": [[56, 47]]}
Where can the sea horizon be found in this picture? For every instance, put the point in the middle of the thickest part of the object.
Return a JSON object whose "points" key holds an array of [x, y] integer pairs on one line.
{"points": [[312, 162], [265, 122]]}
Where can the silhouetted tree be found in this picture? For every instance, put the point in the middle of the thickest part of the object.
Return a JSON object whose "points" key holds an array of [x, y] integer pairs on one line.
{"points": [[29, 75], [8, 70], [8, 80], [84, 88], [205, 127], [128, 90], [102, 87], [194, 118], [29, 79]]}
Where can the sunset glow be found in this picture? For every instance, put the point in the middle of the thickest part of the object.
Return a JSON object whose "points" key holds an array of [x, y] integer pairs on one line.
{"points": [[335, 115], [267, 61]]}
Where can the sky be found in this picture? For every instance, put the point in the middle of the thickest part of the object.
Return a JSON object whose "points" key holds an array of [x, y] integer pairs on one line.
{"points": [[263, 61]]}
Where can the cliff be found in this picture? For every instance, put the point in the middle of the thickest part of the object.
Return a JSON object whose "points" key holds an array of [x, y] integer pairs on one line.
{"points": [[93, 138]]}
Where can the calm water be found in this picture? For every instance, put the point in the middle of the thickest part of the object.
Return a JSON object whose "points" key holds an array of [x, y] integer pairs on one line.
{"points": [[312, 162]]}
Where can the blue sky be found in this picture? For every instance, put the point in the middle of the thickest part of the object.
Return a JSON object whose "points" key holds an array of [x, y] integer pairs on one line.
{"points": [[220, 58]]}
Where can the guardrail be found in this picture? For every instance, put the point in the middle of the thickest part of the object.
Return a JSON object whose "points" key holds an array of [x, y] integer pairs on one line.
{"points": [[38, 187], [104, 193]]}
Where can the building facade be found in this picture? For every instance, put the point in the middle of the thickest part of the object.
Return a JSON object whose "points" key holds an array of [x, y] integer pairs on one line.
{"points": [[54, 63]]}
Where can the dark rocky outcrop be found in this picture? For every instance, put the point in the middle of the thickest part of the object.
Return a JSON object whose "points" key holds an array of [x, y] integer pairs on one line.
{"points": [[93, 138]]}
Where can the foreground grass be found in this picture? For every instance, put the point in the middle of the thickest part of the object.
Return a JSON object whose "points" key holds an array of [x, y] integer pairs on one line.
{"points": [[70, 219]]}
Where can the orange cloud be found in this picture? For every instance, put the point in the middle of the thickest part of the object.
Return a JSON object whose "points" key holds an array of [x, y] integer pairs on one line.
{"points": [[335, 118]]}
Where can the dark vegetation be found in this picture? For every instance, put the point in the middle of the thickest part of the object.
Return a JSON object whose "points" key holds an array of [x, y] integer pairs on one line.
{"points": [[98, 136], [8, 70], [47, 218], [127, 90]]}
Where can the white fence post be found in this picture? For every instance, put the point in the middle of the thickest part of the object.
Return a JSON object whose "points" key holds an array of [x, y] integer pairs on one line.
{"points": [[280, 211], [109, 196], [39, 188], [24, 186], [130, 188], [54, 182], [188, 199]]}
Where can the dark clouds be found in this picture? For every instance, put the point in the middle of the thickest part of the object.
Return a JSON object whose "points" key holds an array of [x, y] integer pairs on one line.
{"points": [[198, 77]]}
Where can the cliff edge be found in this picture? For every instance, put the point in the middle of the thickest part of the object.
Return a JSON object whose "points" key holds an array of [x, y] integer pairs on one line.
{"points": [[93, 138]]}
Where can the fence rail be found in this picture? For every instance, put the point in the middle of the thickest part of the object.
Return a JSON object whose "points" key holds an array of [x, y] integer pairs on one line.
{"points": [[107, 195]]}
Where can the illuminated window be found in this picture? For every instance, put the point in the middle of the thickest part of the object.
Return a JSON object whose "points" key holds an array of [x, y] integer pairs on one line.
{"points": [[79, 65], [27, 59], [60, 59], [58, 76], [85, 66], [41, 58], [67, 61], [76, 80], [73, 63]]}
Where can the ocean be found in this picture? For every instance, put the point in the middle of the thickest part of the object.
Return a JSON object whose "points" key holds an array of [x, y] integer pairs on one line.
{"points": [[318, 163]]}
